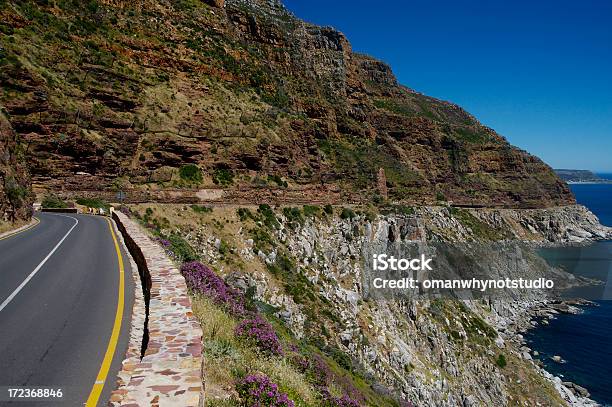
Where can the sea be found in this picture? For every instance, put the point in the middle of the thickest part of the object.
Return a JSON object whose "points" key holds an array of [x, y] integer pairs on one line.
{"points": [[583, 341]]}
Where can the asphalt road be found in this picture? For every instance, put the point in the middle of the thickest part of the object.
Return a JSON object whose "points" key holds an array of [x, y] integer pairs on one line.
{"points": [[57, 316]]}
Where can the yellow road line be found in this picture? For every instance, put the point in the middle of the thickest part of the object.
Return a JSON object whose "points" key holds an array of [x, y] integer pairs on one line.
{"points": [[37, 221], [96, 390]]}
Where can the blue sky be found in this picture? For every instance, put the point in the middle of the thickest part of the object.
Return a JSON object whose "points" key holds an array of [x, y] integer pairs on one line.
{"points": [[539, 72]]}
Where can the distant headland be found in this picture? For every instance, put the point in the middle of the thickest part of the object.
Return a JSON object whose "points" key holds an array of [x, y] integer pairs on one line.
{"points": [[581, 177]]}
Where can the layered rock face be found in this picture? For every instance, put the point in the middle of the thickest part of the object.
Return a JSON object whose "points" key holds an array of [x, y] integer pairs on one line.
{"points": [[15, 193], [432, 351], [116, 93]]}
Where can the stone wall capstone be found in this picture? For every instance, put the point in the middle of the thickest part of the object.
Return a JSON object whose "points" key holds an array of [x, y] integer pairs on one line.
{"points": [[163, 365]]}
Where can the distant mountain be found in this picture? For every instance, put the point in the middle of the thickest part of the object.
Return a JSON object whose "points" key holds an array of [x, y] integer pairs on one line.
{"points": [[580, 176]]}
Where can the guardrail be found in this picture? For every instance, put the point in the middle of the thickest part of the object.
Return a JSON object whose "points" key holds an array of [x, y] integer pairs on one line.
{"points": [[163, 364], [60, 210]]}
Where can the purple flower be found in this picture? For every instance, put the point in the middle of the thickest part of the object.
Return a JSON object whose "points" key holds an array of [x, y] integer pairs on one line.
{"points": [[330, 401], [203, 280], [322, 376], [301, 362], [164, 242], [320, 371], [260, 391], [260, 331]]}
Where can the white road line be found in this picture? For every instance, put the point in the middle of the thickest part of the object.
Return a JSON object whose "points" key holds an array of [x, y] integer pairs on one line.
{"points": [[42, 263]]}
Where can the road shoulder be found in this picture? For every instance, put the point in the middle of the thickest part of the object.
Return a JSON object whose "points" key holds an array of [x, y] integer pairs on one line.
{"points": [[10, 233]]}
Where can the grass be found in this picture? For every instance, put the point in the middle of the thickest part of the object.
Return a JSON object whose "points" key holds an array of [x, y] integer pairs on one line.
{"points": [[217, 327], [201, 209], [395, 107], [361, 161], [527, 387], [227, 358], [480, 229], [181, 248], [397, 209], [461, 323], [471, 135], [93, 203], [9, 226], [311, 211]]}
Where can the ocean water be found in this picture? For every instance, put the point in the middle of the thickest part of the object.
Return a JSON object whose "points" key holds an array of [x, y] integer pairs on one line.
{"points": [[585, 340]]}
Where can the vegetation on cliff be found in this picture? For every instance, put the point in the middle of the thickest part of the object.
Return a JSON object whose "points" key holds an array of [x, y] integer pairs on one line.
{"points": [[15, 193], [187, 94], [294, 277]]}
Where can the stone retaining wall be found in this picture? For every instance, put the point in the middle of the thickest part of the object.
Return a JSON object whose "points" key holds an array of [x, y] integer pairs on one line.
{"points": [[163, 365]]}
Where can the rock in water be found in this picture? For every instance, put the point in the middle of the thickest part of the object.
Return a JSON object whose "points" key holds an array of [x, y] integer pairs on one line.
{"points": [[557, 359]]}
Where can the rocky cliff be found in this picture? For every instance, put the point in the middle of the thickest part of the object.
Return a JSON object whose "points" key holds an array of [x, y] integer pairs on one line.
{"points": [[305, 267], [15, 193], [239, 96]]}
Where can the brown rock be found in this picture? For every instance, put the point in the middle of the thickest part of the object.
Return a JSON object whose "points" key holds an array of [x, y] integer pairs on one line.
{"points": [[216, 3], [335, 125], [15, 190], [382, 184]]}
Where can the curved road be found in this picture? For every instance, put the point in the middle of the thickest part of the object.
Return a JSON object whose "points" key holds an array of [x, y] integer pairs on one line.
{"points": [[59, 302]]}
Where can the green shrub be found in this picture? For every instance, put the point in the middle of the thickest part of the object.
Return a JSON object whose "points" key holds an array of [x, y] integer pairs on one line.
{"points": [[370, 216], [269, 218], [347, 213], [191, 173], [244, 214], [93, 203], [329, 209], [398, 209], [278, 99], [93, 6], [501, 361], [261, 240], [395, 107], [201, 209], [15, 192], [311, 211], [53, 201], [224, 248], [277, 180], [223, 177], [182, 249], [294, 216]]}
